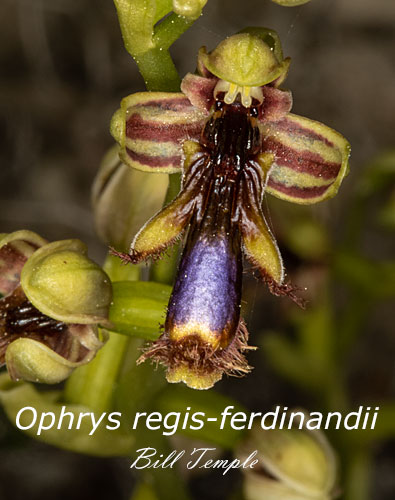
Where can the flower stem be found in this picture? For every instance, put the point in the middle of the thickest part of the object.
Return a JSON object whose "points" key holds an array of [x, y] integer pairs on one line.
{"points": [[158, 70], [92, 385], [358, 477], [170, 29]]}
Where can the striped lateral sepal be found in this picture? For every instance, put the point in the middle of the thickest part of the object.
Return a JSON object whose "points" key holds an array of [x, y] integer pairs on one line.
{"points": [[310, 159], [150, 128]]}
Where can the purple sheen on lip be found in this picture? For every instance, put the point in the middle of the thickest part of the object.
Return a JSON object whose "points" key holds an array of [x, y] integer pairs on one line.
{"points": [[208, 287]]}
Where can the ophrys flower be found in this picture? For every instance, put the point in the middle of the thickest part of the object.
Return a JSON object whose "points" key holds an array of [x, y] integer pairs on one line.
{"points": [[232, 134]]}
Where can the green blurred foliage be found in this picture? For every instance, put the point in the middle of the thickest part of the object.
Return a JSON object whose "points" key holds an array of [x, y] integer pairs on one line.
{"points": [[317, 358]]}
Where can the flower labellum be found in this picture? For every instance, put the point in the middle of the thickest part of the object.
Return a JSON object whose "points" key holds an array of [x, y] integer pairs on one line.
{"points": [[232, 134], [53, 298]]}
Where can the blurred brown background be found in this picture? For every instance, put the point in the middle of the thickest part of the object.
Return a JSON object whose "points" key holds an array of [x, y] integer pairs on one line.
{"points": [[63, 71]]}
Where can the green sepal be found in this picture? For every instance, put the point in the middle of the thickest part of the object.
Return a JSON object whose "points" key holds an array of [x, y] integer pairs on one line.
{"points": [[123, 198], [301, 462], [63, 283], [270, 37], [245, 59], [310, 159]]}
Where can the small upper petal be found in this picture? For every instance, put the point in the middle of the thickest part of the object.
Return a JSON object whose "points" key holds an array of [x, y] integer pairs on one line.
{"points": [[199, 90], [276, 105]]}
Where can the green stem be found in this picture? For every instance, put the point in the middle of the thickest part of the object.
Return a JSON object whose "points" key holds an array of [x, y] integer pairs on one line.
{"points": [[167, 483], [334, 393], [358, 475], [118, 271], [158, 70], [92, 385], [144, 491], [173, 188]]}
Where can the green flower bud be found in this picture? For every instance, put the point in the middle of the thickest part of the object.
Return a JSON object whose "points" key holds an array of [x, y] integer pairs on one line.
{"points": [[53, 298], [246, 59], [123, 199], [294, 464], [189, 8]]}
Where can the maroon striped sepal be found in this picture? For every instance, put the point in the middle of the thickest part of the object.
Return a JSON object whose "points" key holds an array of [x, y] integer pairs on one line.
{"points": [[150, 128], [310, 159]]}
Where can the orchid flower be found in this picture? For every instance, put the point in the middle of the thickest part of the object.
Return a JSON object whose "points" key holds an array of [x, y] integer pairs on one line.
{"points": [[233, 137], [52, 300]]}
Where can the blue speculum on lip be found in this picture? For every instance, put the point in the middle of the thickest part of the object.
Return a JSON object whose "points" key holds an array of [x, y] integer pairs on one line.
{"points": [[206, 294], [232, 133]]}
